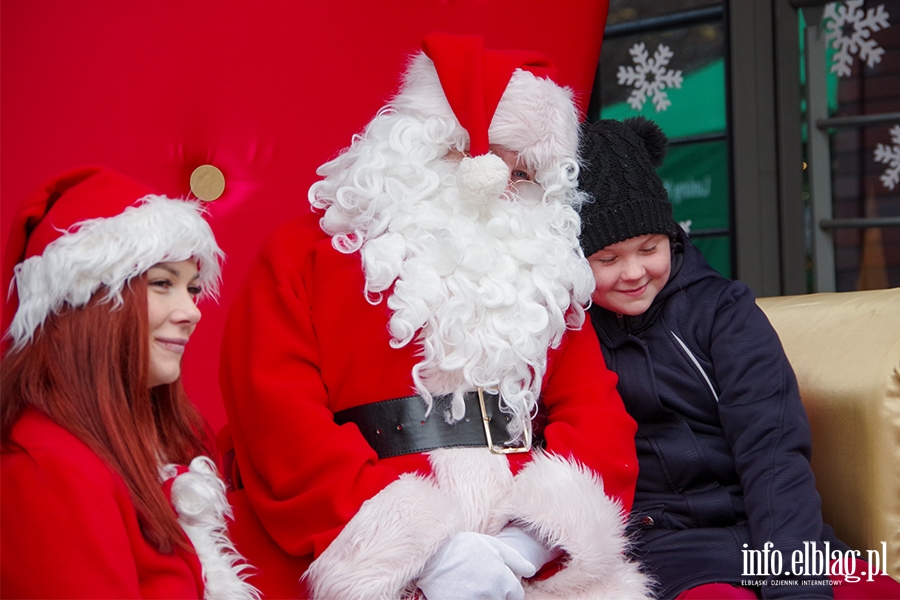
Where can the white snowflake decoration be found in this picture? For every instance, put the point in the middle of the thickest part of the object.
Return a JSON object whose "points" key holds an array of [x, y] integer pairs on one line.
{"points": [[890, 155], [660, 78], [839, 19]]}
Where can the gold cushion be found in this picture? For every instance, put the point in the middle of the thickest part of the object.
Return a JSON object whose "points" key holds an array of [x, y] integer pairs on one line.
{"points": [[845, 350]]}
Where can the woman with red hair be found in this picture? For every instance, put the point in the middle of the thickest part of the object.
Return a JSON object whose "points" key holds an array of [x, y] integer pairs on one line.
{"points": [[99, 441]]}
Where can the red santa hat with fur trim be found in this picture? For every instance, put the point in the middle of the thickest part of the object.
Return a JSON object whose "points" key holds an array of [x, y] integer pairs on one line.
{"points": [[474, 79], [499, 97], [90, 228]]}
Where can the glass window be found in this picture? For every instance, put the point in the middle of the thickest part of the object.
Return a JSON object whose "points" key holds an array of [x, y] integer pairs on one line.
{"points": [[852, 99], [670, 68], [630, 10]]}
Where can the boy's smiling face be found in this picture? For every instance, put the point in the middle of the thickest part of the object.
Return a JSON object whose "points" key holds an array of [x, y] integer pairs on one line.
{"points": [[629, 274]]}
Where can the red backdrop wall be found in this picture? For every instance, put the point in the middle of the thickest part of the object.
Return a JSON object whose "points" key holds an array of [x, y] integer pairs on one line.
{"points": [[265, 91]]}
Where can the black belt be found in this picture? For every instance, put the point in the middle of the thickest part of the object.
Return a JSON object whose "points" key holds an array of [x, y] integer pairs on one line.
{"points": [[399, 426]]}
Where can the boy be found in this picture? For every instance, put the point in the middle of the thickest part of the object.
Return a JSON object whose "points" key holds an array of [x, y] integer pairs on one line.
{"points": [[723, 440]]}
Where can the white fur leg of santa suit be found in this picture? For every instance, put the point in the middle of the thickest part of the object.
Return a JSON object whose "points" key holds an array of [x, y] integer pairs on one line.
{"points": [[563, 504], [199, 499], [382, 550]]}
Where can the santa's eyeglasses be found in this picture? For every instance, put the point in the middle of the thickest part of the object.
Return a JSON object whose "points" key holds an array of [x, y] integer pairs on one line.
{"points": [[524, 190], [520, 185]]}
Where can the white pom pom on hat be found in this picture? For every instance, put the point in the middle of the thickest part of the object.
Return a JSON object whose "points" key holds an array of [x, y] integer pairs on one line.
{"points": [[93, 227], [482, 178]]}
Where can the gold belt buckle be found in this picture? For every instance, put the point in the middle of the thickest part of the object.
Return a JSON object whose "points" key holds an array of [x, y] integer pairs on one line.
{"points": [[486, 420]]}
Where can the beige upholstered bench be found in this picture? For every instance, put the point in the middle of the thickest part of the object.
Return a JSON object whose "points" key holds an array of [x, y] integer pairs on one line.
{"points": [[845, 350]]}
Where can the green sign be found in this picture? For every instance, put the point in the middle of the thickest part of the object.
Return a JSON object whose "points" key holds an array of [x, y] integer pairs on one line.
{"points": [[698, 106], [695, 174], [696, 179]]}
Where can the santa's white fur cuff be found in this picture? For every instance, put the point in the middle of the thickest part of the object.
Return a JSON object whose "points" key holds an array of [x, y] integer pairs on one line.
{"points": [[385, 546], [563, 503], [199, 499]]}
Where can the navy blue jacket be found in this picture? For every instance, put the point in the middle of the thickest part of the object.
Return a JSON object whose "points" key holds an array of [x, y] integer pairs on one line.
{"points": [[723, 440]]}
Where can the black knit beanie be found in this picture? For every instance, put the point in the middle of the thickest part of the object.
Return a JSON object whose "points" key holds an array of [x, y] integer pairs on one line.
{"points": [[618, 170]]}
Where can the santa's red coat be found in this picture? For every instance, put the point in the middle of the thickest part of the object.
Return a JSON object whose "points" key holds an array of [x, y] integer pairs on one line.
{"points": [[303, 342]]}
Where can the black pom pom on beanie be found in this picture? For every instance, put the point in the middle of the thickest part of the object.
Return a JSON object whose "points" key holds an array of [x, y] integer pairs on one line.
{"points": [[618, 171]]}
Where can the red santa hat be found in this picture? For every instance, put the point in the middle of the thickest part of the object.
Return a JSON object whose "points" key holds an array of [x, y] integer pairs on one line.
{"points": [[93, 227], [496, 97], [474, 78]]}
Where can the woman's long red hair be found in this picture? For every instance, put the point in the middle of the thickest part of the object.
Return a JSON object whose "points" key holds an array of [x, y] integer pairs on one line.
{"points": [[87, 369]]}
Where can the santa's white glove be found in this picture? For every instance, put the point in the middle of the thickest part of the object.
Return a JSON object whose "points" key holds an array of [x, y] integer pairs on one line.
{"points": [[474, 566], [528, 547]]}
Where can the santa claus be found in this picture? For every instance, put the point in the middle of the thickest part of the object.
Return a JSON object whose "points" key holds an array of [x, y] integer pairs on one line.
{"points": [[414, 404]]}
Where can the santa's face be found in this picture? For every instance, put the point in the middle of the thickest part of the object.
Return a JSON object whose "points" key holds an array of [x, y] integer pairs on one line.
{"points": [[484, 287], [478, 258], [521, 184], [517, 169], [520, 179]]}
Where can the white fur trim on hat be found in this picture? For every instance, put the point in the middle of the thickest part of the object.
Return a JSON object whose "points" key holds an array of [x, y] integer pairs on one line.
{"points": [[109, 252], [199, 499]]}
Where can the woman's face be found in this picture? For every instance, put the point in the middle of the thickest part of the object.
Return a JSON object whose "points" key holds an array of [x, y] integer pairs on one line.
{"points": [[172, 288], [629, 274]]}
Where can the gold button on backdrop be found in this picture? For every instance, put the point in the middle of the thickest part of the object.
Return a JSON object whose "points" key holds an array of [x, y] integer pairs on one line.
{"points": [[207, 183]]}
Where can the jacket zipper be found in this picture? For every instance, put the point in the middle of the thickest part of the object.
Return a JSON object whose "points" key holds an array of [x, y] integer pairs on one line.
{"points": [[696, 364]]}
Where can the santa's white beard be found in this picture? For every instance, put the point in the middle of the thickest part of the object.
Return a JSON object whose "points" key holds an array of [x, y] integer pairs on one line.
{"points": [[485, 290]]}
